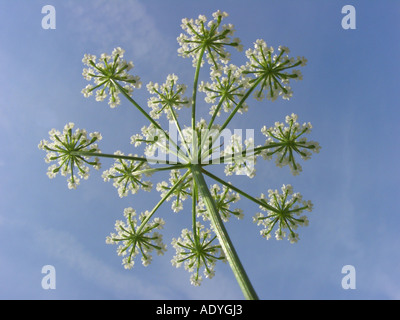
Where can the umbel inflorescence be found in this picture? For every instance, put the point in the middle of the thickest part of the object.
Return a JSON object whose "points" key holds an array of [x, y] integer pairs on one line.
{"points": [[195, 147]]}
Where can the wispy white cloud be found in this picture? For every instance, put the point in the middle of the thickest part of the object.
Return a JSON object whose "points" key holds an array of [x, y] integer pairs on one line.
{"points": [[65, 248], [102, 24], [122, 284]]}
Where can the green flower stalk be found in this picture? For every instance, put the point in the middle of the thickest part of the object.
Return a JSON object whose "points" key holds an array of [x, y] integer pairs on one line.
{"points": [[194, 148]]}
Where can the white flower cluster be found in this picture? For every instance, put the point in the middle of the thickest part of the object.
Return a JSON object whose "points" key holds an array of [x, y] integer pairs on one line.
{"points": [[240, 159], [168, 96], [209, 36], [106, 73], [126, 175], [223, 199], [201, 141], [196, 251], [154, 138], [286, 214], [228, 87], [285, 142], [271, 70], [184, 146], [181, 192], [60, 150], [134, 238]]}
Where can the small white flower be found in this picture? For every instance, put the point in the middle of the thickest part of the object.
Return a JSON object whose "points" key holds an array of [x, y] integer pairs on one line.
{"points": [[169, 97], [126, 175], [196, 252], [87, 58], [181, 192], [283, 212], [134, 238], [61, 150], [240, 159], [271, 70], [106, 73], [284, 142], [227, 88], [223, 199], [199, 34]]}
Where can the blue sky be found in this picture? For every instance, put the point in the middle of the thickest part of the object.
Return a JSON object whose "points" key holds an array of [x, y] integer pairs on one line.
{"points": [[348, 94]]}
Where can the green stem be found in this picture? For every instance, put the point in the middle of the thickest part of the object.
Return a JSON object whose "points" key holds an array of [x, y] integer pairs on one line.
{"points": [[209, 128], [254, 152], [194, 202], [239, 105], [216, 112], [246, 195], [179, 128], [171, 167], [127, 96], [219, 228], [194, 95], [148, 117], [166, 196], [118, 156]]}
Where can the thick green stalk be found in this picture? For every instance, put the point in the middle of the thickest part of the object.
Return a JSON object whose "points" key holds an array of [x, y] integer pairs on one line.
{"points": [[225, 242], [194, 203]]}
